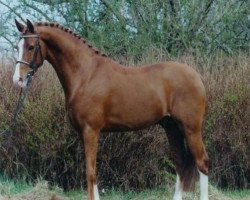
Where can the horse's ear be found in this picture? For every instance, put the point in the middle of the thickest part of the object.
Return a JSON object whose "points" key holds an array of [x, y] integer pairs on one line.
{"points": [[30, 26], [19, 26]]}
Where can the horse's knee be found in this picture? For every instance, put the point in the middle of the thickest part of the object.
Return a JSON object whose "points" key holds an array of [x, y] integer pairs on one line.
{"points": [[91, 175]]}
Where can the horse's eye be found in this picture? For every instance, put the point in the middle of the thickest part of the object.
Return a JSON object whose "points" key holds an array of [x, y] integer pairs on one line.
{"points": [[30, 48]]}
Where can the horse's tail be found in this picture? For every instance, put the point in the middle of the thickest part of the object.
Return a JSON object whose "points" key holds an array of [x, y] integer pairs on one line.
{"points": [[182, 157], [188, 174]]}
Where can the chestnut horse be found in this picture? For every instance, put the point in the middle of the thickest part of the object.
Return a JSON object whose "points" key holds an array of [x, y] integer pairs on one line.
{"points": [[102, 95]]}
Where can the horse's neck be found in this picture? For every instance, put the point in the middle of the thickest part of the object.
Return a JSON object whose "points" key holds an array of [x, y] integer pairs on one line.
{"points": [[70, 58]]}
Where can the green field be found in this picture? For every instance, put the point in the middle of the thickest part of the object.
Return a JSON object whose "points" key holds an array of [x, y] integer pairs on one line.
{"points": [[10, 190]]}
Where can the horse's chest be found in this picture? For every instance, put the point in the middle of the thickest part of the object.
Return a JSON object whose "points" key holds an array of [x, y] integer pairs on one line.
{"points": [[86, 111]]}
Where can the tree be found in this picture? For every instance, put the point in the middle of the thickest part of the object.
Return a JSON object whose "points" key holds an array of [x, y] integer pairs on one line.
{"points": [[123, 27]]}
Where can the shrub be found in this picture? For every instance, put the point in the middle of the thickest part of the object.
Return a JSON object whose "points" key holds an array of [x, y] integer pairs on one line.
{"points": [[45, 145]]}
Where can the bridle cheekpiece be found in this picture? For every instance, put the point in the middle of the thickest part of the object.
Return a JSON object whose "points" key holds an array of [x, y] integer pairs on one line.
{"points": [[32, 65]]}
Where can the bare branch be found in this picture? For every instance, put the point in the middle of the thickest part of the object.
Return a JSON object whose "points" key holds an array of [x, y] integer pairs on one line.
{"points": [[13, 10], [52, 2], [203, 15], [12, 44], [38, 10], [117, 14]]}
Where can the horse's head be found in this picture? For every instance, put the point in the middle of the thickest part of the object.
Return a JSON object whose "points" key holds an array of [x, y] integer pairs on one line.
{"points": [[31, 52]]}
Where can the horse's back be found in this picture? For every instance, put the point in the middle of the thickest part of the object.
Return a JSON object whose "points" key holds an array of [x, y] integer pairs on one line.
{"points": [[143, 95]]}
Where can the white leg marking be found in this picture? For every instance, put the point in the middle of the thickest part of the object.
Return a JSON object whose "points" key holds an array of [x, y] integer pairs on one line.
{"points": [[203, 186], [16, 76], [178, 189], [96, 193]]}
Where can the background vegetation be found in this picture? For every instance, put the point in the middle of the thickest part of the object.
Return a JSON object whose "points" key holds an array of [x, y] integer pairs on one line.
{"points": [[211, 36], [125, 27]]}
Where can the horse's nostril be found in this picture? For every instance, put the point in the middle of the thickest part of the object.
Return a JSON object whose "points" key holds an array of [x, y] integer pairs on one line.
{"points": [[20, 79]]}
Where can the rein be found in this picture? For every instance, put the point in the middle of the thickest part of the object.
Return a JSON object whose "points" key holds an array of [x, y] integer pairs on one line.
{"points": [[22, 96], [9, 131]]}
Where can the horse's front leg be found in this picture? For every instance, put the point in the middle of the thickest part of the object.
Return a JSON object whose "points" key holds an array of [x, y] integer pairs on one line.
{"points": [[90, 138]]}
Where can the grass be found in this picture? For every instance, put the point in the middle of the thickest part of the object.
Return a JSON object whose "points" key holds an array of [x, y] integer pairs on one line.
{"points": [[10, 190]]}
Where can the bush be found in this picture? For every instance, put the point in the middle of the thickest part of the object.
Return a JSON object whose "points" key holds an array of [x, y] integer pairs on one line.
{"points": [[45, 145], [227, 126]]}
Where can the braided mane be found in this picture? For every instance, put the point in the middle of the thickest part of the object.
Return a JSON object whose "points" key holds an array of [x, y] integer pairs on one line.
{"points": [[67, 30]]}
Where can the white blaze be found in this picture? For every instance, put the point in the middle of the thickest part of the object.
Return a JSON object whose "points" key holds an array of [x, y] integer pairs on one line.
{"points": [[178, 189], [17, 75], [203, 186], [96, 193]]}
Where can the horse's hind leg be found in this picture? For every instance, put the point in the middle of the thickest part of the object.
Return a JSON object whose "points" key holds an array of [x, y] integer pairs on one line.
{"points": [[187, 156], [196, 146], [189, 109]]}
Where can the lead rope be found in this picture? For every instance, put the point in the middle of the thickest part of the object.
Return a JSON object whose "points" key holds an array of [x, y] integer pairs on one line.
{"points": [[9, 131], [22, 97]]}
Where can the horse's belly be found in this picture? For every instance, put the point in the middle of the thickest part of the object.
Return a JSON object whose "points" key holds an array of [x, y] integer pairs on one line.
{"points": [[135, 116], [129, 125], [114, 127]]}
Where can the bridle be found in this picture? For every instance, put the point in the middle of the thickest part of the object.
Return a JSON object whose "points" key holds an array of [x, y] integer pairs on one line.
{"points": [[23, 92], [32, 65]]}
